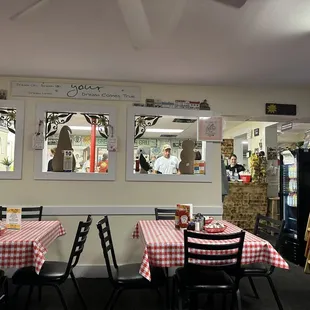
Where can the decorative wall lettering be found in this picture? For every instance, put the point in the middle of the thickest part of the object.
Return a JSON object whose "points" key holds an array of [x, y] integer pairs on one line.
{"points": [[75, 91]]}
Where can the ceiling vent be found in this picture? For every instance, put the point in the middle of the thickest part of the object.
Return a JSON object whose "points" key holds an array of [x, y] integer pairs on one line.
{"points": [[184, 120], [168, 136]]}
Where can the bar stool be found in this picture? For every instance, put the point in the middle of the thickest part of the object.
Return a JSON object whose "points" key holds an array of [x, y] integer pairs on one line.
{"points": [[274, 208]]}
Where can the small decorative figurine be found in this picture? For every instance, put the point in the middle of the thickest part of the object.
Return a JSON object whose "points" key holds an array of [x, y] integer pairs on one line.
{"points": [[204, 105]]}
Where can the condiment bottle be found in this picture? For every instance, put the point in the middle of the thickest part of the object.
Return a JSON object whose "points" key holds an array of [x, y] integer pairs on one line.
{"points": [[184, 218]]}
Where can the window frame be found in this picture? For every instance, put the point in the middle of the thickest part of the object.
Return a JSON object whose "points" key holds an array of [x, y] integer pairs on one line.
{"points": [[130, 176], [19, 139], [41, 110]]}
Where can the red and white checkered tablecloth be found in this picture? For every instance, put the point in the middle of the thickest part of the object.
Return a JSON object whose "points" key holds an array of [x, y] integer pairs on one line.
{"points": [[28, 246], [164, 246]]}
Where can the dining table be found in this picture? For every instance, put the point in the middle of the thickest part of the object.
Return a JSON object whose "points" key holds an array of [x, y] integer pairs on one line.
{"points": [[164, 246], [29, 245]]}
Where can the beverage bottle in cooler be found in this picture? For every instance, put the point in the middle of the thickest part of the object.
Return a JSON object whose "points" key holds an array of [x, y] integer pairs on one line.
{"points": [[289, 199]]}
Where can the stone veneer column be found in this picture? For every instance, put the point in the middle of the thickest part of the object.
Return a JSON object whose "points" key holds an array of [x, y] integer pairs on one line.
{"points": [[244, 202]]}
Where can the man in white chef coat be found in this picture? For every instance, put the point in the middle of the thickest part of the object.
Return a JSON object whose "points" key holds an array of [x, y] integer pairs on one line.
{"points": [[166, 164]]}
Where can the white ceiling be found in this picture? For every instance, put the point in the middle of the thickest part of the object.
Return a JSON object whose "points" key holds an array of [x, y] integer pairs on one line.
{"points": [[296, 134], [265, 42]]}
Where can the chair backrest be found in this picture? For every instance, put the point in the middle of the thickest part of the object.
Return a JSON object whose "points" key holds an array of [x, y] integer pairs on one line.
{"points": [[164, 214], [28, 213], [78, 245], [269, 229], [214, 251], [107, 245]]}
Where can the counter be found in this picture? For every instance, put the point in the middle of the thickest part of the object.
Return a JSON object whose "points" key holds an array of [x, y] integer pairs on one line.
{"points": [[243, 202]]}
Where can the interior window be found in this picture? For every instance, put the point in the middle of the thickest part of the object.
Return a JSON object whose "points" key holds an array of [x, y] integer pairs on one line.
{"points": [[167, 145], [7, 138], [84, 134]]}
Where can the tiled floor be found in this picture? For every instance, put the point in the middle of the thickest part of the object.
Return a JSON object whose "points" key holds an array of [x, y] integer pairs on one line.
{"points": [[293, 287]]}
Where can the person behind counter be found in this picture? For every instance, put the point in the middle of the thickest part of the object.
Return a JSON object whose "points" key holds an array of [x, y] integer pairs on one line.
{"points": [[233, 166], [50, 162], [166, 164], [103, 164]]}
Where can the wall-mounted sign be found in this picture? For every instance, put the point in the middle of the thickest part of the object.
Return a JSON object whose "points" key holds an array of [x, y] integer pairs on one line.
{"points": [[146, 142], [280, 109], [210, 129], [272, 153], [256, 132], [75, 91], [287, 126]]}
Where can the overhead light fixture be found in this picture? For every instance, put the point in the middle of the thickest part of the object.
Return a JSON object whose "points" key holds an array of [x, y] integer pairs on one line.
{"points": [[204, 117], [158, 130], [80, 127], [245, 142]]}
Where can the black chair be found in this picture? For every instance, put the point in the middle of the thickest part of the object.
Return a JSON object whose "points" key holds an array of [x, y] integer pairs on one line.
{"points": [[32, 213], [272, 231], [54, 273], [210, 276], [3, 288], [164, 214], [124, 277]]}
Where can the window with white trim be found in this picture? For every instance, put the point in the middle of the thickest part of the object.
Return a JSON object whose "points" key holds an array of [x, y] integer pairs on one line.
{"points": [[75, 142], [162, 146], [11, 138]]}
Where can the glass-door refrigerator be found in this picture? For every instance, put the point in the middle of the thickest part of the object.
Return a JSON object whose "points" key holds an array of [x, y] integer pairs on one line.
{"points": [[295, 203]]}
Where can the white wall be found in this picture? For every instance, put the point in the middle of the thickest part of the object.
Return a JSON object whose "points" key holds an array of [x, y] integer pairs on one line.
{"points": [[225, 100], [3, 146]]}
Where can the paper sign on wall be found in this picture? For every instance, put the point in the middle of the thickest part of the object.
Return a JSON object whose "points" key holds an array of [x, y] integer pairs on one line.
{"points": [[14, 218], [210, 129], [112, 144]]}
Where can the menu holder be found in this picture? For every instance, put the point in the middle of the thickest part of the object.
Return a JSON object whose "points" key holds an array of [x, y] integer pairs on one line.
{"points": [[14, 218], [189, 207]]}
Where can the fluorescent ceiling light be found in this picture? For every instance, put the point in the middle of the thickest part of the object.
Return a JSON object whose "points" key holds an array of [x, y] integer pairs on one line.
{"points": [[80, 127], [245, 142], [204, 117], [164, 130]]}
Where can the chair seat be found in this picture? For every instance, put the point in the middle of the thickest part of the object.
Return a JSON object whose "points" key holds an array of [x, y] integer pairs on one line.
{"points": [[204, 279], [254, 269], [50, 272], [129, 275]]}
